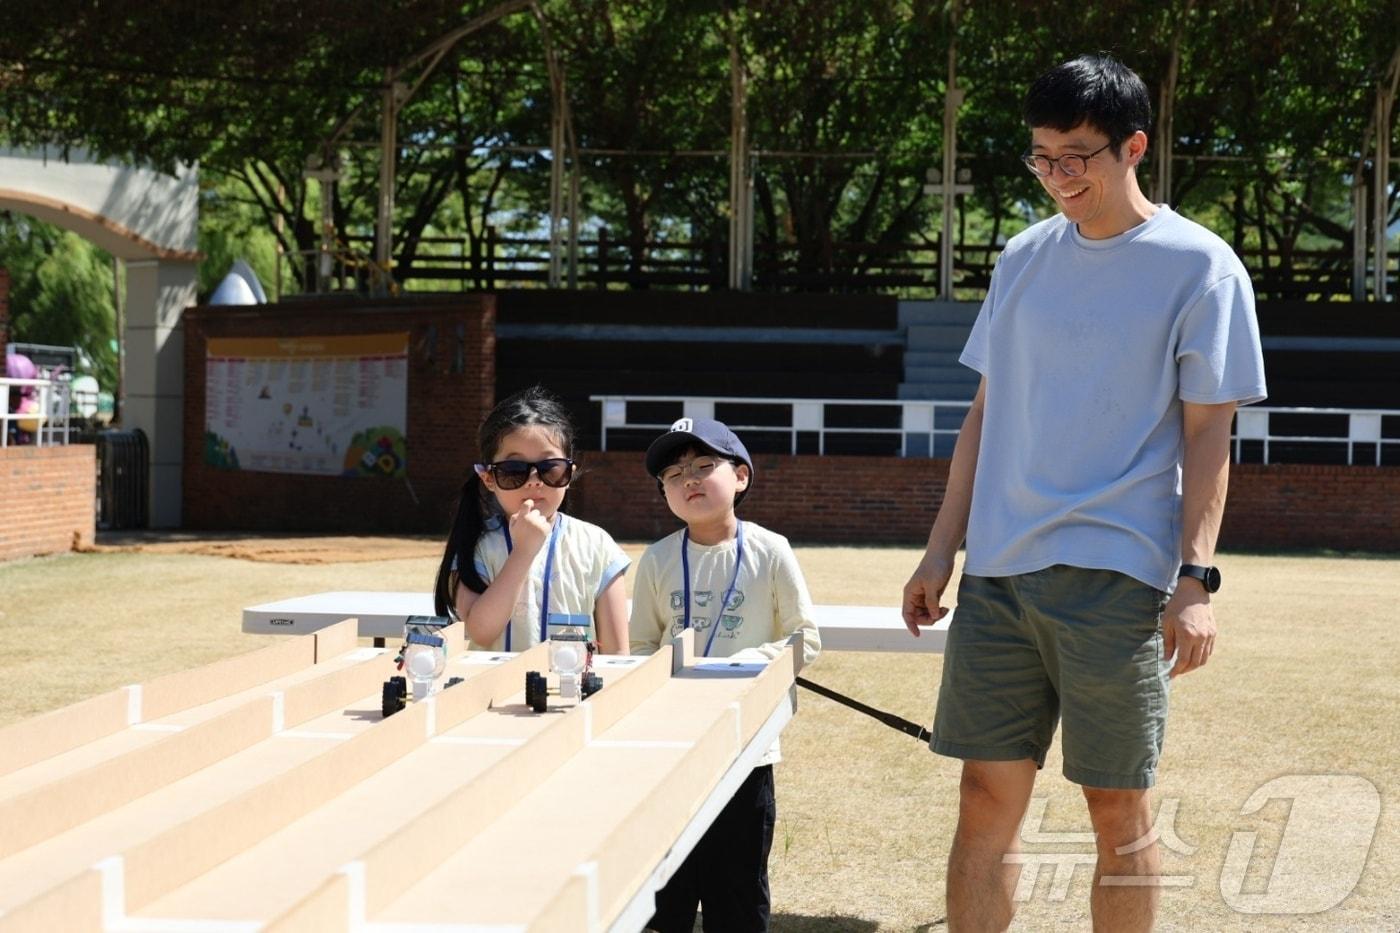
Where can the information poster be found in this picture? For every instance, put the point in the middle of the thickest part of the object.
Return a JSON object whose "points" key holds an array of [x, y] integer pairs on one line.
{"points": [[335, 406]]}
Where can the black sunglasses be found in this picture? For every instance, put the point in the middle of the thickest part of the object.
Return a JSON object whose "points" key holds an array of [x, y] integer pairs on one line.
{"points": [[512, 474]]}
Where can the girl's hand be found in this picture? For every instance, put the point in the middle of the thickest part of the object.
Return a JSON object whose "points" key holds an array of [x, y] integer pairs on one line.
{"points": [[528, 528]]}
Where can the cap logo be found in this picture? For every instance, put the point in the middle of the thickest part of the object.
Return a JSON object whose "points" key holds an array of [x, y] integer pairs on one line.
{"points": [[684, 424]]}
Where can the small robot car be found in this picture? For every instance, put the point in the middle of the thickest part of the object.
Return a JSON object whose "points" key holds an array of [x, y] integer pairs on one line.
{"points": [[422, 659], [570, 657]]}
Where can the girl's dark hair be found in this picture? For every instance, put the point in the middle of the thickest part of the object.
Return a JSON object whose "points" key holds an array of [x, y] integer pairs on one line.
{"points": [[1095, 89], [533, 406]]}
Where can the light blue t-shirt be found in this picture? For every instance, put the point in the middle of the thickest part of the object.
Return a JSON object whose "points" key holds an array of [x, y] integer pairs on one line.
{"points": [[1089, 348]]}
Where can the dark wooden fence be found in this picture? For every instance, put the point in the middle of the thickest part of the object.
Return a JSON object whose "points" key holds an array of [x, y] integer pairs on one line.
{"points": [[909, 270]]}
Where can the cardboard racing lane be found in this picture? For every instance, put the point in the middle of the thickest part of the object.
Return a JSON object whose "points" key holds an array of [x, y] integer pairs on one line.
{"points": [[269, 792]]}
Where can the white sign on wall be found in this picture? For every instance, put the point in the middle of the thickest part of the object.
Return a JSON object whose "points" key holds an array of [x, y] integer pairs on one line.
{"points": [[335, 406]]}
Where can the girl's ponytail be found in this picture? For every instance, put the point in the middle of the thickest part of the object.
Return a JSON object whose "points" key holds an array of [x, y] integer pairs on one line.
{"points": [[467, 527]]}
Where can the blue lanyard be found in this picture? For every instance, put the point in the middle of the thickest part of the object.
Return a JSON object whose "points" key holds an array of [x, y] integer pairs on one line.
{"points": [[548, 573], [728, 593]]}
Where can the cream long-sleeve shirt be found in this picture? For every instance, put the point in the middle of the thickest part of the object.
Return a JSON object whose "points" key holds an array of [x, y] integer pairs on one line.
{"points": [[769, 602]]}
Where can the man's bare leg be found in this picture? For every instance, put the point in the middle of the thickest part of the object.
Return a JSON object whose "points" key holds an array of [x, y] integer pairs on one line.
{"points": [[1123, 820], [992, 800]]}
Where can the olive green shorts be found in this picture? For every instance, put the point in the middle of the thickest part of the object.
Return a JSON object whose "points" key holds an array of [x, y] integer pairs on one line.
{"points": [[1063, 643]]}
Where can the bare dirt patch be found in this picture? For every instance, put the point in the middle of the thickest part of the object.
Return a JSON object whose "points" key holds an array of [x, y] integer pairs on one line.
{"points": [[276, 549]]}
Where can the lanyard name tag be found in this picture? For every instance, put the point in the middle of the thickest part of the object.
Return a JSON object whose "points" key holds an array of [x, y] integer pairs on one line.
{"points": [[729, 591], [545, 618]]}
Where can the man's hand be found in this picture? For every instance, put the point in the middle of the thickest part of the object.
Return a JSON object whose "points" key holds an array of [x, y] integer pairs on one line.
{"points": [[528, 528], [924, 593], [1188, 627]]}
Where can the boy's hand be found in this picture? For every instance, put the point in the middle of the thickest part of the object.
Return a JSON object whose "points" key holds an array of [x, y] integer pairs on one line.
{"points": [[528, 528], [924, 592]]}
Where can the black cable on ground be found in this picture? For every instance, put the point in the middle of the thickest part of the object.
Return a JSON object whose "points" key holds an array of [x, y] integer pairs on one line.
{"points": [[890, 719]]}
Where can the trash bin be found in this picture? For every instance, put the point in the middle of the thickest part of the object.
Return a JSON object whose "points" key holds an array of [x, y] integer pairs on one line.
{"points": [[123, 469]]}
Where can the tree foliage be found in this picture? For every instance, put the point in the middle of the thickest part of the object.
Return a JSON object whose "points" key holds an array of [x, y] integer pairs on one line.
{"points": [[1273, 102], [61, 291]]}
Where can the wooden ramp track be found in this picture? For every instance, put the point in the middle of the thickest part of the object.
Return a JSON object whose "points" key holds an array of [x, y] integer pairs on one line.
{"points": [[267, 792]]}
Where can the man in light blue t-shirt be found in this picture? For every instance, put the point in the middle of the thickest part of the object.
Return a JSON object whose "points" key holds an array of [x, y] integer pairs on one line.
{"points": [[1116, 341]]}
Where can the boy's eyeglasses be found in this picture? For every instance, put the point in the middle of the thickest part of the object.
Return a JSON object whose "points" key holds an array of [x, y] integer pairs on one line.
{"points": [[699, 468], [1072, 164], [512, 474]]}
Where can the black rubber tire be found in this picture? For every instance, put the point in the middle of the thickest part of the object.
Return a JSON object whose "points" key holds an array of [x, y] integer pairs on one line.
{"points": [[394, 696], [592, 683], [536, 691]]}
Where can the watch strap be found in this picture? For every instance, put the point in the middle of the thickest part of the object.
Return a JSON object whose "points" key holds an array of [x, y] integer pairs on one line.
{"points": [[1209, 576]]}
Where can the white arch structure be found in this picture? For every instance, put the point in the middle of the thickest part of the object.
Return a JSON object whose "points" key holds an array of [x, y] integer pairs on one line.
{"points": [[149, 220]]}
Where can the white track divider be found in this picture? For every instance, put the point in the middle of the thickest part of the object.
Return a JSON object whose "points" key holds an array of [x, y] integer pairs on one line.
{"points": [[206, 839], [369, 883]]}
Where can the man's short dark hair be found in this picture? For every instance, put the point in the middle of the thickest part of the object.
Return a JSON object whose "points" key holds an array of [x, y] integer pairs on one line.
{"points": [[1092, 89]]}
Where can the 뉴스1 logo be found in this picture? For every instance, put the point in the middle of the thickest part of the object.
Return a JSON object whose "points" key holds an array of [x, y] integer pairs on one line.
{"points": [[1322, 847], [281, 622]]}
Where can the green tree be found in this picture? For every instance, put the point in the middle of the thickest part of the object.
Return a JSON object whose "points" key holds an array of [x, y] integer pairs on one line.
{"points": [[836, 79], [232, 226], [61, 292]]}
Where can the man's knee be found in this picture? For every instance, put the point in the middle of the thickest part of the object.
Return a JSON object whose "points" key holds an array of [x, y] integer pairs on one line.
{"points": [[1122, 819], [995, 793]]}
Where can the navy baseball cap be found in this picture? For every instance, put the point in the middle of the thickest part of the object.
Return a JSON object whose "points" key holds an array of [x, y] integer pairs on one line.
{"points": [[698, 432]]}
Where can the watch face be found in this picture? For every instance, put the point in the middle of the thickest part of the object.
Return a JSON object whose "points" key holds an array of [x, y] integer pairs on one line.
{"points": [[1212, 579]]}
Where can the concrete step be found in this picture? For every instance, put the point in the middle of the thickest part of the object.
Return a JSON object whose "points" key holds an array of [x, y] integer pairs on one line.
{"points": [[938, 312], [945, 358], [940, 374], [936, 337], [938, 391]]}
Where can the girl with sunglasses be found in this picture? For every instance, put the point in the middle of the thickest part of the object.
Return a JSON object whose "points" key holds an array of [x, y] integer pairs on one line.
{"points": [[513, 561]]}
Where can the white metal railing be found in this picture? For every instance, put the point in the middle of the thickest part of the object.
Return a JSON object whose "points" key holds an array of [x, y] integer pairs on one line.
{"points": [[918, 419], [1363, 427], [51, 418]]}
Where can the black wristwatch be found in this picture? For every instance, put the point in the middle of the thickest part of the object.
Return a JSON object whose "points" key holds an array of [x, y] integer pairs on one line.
{"points": [[1209, 576]]}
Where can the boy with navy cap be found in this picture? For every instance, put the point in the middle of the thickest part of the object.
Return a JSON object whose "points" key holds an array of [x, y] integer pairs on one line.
{"points": [[738, 586]]}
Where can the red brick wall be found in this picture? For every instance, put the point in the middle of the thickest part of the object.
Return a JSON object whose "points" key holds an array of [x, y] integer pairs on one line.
{"points": [[857, 500], [444, 410], [1304, 505], [893, 500], [48, 499]]}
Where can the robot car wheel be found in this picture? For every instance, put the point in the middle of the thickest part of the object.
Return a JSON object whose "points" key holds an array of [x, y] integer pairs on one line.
{"points": [[394, 696], [536, 691]]}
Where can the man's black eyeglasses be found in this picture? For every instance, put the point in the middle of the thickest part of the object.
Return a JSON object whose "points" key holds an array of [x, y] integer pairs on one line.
{"points": [[512, 474], [1072, 164]]}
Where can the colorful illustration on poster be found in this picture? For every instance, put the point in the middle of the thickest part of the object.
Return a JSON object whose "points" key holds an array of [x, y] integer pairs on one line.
{"points": [[376, 452], [218, 453], [335, 406]]}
